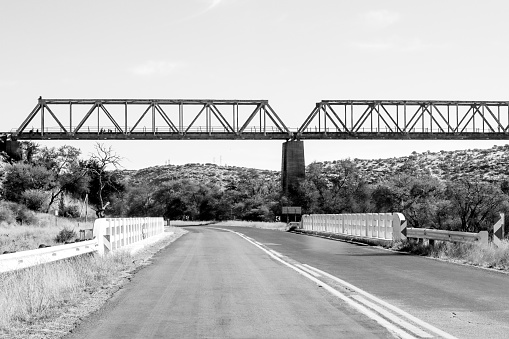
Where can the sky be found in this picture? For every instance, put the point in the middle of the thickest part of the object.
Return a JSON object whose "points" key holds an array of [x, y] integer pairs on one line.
{"points": [[293, 53]]}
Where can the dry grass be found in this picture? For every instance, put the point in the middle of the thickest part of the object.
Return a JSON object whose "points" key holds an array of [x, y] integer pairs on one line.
{"points": [[46, 301], [14, 237], [36, 293], [466, 253], [281, 226], [474, 254]]}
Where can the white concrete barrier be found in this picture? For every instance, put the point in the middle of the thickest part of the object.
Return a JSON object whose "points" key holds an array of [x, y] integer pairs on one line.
{"points": [[114, 233], [386, 226]]}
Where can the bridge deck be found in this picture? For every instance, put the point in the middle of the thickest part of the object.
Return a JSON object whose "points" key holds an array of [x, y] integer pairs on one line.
{"points": [[262, 136], [173, 119]]}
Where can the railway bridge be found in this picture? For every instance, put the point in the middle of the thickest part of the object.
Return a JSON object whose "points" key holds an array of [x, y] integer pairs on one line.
{"points": [[207, 119]]}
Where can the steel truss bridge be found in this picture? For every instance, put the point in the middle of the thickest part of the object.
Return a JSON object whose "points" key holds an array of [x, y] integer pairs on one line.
{"points": [[95, 119]]}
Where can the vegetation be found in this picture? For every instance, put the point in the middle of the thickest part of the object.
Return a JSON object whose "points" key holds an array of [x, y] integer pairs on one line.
{"points": [[465, 253], [446, 190], [35, 293]]}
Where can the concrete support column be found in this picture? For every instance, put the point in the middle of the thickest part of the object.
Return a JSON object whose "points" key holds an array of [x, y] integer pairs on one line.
{"points": [[293, 166], [10, 146]]}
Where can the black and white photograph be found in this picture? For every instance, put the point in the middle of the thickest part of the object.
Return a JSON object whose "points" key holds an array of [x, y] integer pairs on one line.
{"points": [[254, 169]]}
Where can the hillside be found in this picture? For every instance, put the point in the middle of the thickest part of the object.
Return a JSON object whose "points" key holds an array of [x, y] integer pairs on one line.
{"points": [[222, 176], [490, 165]]}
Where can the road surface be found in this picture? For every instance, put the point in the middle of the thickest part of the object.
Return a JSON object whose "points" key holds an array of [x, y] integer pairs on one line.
{"points": [[214, 283]]}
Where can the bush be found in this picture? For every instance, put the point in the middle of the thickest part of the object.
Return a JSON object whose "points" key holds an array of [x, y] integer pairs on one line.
{"points": [[11, 212], [66, 235], [6, 213], [35, 199], [70, 211]]}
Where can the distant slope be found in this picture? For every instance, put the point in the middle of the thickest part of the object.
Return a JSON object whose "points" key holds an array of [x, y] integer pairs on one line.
{"points": [[490, 165], [221, 176]]}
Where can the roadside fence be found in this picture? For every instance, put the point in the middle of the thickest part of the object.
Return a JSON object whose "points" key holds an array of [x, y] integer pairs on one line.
{"points": [[391, 227], [384, 226], [110, 234]]}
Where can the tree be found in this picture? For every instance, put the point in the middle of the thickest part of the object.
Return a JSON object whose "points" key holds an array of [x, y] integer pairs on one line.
{"points": [[103, 182], [19, 178], [477, 204], [139, 201], [69, 173], [334, 189], [417, 197]]}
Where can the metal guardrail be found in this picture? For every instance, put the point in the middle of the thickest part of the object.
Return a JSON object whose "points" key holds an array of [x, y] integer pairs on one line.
{"points": [[451, 236], [110, 235], [23, 259]]}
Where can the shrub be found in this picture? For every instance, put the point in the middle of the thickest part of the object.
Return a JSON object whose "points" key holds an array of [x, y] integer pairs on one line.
{"points": [[68, 211], [35, 199], [11, 213], [65, 235], [6, 213]]}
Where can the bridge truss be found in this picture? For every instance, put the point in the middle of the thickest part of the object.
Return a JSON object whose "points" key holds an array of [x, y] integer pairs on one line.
{"points": [[406, 119], [255, 119], [152, 119]]}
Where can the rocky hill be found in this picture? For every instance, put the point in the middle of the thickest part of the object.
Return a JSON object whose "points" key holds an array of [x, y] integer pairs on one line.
{"points": [[222, 176], [490, 165]]}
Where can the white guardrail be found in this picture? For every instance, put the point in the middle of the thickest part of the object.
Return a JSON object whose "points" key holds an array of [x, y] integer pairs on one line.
{"points": [[110, 234], [385, 226], [390, 226]]}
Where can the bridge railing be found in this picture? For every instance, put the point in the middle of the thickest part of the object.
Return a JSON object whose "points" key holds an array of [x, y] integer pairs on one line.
{"points": [[385, 226], [391, 227], [114, 233], [110, 234], [450, 236], [143, 129]]}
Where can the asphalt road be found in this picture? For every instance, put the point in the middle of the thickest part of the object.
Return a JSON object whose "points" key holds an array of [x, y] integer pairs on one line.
{"points": [[216, 284], [464, 301]]}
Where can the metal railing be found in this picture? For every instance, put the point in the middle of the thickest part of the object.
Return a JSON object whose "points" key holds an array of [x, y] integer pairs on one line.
{"points": [[110, 234], [452, 236]]}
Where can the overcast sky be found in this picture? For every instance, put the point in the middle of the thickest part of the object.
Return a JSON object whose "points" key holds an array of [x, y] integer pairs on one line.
{"points": [[293, 53]]}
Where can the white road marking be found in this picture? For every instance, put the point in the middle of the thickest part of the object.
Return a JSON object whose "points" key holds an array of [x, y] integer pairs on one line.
{"points": [[314, 274], [359, 307], [277, 253], [392, 317], [385, 304]]}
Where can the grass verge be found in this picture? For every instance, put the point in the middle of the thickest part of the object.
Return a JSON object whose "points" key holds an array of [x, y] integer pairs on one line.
{"points": [[15, 237], [47, 301], [465, 253]]}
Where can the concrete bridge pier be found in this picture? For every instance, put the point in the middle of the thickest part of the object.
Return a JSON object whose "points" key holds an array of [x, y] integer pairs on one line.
{"points": [[293, 166], [10, 146]]}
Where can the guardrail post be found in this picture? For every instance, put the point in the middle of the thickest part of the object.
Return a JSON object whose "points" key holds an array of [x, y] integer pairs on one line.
{"points": [[399, 226]]}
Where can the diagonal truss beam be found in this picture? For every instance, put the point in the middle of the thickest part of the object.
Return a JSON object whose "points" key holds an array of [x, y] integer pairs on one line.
{"points": [[173, 122], [255, 119]]}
